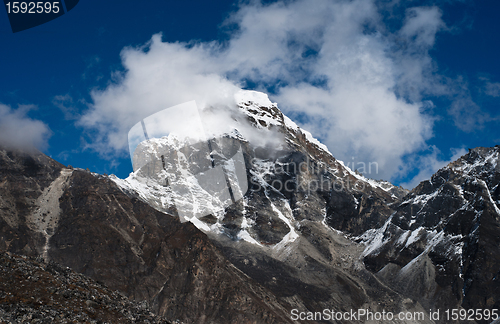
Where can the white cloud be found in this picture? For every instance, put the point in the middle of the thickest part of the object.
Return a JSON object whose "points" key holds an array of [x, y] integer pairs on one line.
{"points": [[67, 106], [413, 66], [19, 131], [334, 66], [421, 25], [158, 76]]}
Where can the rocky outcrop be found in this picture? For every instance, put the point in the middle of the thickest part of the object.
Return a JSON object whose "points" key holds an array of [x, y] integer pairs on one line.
{"points": [[23, 179]]}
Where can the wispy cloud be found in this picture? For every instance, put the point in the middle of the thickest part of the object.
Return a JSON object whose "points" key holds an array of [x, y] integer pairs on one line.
{"points": [[467, 115], [67, 106], [492, 89], [334, 66], [19, 131]]}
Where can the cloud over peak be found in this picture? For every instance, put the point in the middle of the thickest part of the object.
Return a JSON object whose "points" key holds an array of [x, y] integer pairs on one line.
{"points": [[334, 66]]}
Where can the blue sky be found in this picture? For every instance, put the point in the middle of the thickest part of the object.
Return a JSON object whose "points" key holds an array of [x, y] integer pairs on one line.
{"points": [[410, 85]]}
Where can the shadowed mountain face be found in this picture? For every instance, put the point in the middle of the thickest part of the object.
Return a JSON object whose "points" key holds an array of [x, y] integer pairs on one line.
{"points": [[309, 234]]}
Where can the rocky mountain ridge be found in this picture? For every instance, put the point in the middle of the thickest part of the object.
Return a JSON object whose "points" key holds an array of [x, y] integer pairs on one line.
{"points": [[444, 235], [406, 240]]}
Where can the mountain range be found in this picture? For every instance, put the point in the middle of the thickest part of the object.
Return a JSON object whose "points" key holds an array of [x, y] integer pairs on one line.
{"points": [[308, 235]]}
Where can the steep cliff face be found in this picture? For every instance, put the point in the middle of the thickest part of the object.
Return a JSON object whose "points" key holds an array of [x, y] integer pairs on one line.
{"points": [[24, 177], [291, 177], [442, 243], [84, 221]]}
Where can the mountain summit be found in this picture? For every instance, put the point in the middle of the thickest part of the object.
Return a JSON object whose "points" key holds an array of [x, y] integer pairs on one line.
{"points": [[290, 231], [290, 175]]}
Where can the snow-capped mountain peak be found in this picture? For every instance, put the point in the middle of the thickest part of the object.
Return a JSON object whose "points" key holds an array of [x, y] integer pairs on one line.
{"points": [[282, 162]]}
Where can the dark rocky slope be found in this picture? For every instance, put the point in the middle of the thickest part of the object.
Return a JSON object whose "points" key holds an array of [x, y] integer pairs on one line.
{"points": [[33, 291]]}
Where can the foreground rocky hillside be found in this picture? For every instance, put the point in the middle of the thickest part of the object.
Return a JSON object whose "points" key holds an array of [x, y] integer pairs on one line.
{"points": [[32, 291]]}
